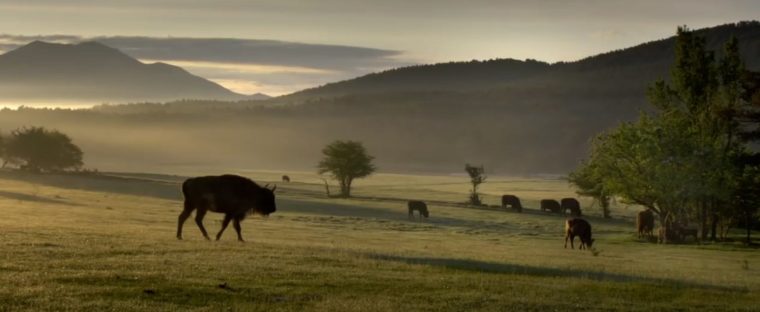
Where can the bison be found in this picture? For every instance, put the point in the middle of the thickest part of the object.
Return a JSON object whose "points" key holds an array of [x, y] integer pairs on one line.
{"points": [[511, 201], [645, 223], [550, 205], [285, 179], [571, 204], [234, 196], [581, 228], [419, 206]]}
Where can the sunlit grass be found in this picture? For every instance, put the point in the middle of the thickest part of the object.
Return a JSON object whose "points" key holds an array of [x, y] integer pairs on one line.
{"points": [[95, 243]]}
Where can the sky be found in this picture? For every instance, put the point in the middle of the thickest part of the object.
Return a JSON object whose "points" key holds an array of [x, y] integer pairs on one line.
{"points": [[281, 46]]}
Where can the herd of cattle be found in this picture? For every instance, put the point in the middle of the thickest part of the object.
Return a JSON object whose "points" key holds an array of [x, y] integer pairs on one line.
{"points": [[236, 197], [573, 226]]}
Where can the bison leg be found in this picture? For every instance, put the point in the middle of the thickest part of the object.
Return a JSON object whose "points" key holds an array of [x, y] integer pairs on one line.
{"points": [[236, 224], [566, 238], [199, 221], [225, 223], [183, 217]]}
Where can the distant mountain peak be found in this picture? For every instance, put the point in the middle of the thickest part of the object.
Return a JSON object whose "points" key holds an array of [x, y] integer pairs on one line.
{"points": [[92, 71]]}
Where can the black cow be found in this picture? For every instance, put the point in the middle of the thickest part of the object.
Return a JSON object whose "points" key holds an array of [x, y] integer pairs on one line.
{"points": [[550, 205], [571, 204], [578, 227], [419, 206], [511, 201], [234, 196]]}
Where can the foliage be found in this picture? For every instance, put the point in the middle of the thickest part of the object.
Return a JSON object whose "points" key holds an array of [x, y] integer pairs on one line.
{"points": [[680, 160], [38, 149], [477, 177], [346, 161], [588, 181]]}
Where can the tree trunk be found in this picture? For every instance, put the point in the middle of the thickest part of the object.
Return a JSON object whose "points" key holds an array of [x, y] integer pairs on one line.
{"points": [[344, 191], [748, 216], [714, 227], [703, 221], [327, 187], [604, 201]]}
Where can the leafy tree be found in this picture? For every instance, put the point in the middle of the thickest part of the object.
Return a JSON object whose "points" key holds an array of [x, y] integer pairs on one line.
{"points": [[588, 181], [677, 161], [477, 177], [346, 161], [38, 149]]}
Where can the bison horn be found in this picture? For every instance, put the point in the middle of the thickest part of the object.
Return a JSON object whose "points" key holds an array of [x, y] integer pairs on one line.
{"points": [[274, 188]]}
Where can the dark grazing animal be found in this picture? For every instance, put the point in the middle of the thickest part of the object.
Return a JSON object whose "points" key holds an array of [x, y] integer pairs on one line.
{"points": [[234, 196], [419, 206], [511, 201], [571, 204], [645, 223], [550, 205], [285, 178], [581, 228]]}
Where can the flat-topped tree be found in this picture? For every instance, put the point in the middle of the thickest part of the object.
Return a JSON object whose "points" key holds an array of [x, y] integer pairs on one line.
{"points": [[346, 161], [38, 149]]}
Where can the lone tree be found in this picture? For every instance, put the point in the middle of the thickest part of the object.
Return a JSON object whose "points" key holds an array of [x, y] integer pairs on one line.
{"points": [[38, 149], [477, 177], [346, 161]]}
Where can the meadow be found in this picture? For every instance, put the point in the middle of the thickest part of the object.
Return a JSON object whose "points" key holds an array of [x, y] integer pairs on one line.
{"points": [[107, 242]]}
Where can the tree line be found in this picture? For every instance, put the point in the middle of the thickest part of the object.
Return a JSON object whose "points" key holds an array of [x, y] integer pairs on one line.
{"points": [[690, 158]]}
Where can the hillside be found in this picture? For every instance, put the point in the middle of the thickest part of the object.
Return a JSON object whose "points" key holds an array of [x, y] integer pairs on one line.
{"points": [[538, 121], [93, 72], [626, 70]]}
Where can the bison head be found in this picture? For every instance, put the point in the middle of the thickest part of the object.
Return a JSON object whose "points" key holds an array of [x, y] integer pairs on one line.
{"points": [[265, 203], [590, 243], [425, 213]]}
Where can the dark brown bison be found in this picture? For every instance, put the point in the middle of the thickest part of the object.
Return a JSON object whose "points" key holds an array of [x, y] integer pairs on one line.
{"points": [[571, 204], [419, 206], [285, 179], [550, 205], [645, 223], [581, 228], [232, 195], [511, 201]]}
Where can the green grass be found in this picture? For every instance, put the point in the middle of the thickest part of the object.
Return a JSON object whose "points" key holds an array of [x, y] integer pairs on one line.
{"points": [[107, 243]]}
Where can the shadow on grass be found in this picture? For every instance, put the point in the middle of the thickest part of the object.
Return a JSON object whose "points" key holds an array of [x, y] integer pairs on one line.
{"points": [[33, 198], [519, 269]]}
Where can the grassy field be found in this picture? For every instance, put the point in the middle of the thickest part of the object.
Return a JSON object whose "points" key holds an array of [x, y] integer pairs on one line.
{"points": [[107, 243]]}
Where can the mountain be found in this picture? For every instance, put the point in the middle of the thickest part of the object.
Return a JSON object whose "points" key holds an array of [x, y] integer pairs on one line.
{"points": [[514, 117], [258, 97], [93, 72], [629, 70]]}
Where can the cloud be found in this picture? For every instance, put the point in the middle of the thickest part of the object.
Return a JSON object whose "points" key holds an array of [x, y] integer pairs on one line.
{"points": [[243, 64]]}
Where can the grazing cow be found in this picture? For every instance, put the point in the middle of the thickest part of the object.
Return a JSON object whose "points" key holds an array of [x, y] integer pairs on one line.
{"points": [[232, 195], [645, 223], [581, 228], [571, 204], [419, 206], [285, 179], [511, 201], [550, 205]]}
